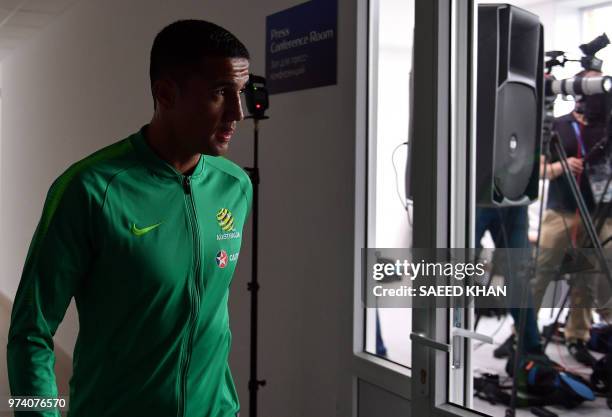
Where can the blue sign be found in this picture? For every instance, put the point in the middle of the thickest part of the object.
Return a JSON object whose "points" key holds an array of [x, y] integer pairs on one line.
{"points": [[302, 46]]}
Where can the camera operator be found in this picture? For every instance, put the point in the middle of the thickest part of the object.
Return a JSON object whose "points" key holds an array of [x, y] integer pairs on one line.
{"points": [[579, 132]]}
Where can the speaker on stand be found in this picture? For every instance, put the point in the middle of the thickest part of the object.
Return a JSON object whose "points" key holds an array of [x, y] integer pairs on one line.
{"points": [[510, 110], [510, 105]]}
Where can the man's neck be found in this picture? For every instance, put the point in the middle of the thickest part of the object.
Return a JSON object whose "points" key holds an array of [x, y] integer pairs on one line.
{"points": [[580, 118], [162, 141]]}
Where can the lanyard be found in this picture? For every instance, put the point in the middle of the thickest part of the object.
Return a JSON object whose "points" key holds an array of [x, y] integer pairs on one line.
{"points": [[582, 150]]}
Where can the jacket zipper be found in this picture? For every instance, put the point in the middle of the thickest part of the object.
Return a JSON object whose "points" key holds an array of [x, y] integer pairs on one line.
{"points": [[195, 307]]}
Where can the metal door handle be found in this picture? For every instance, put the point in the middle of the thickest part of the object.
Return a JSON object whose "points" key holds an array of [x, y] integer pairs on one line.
{"points": [[425, 341], [458, 331]]}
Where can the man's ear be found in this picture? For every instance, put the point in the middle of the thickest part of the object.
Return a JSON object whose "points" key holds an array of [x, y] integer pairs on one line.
{"points": [[165, 92]]}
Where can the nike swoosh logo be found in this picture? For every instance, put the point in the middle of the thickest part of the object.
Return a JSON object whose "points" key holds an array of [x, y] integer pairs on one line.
{"points": [[139, 232]]}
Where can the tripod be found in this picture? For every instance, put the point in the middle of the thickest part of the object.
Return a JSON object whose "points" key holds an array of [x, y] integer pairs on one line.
{"points": [[592, 235], [253, 285], [551, 139]]}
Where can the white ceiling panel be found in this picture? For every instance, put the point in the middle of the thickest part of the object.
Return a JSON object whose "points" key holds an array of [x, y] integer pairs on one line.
{"points": [[8, 43], [30, 19], [11, 4], [47, 6], [17, 32], [21, 20]]}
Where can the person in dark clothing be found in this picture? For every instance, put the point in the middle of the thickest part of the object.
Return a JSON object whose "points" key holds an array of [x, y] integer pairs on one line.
{"points": [[581, 132], [508, 227]]}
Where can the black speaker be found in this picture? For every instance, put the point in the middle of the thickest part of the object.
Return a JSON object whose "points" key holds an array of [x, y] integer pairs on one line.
{"points": [[509, 105]]}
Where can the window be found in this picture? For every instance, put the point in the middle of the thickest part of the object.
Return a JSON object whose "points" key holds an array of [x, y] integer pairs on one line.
{"points": [[387, 330], [596, 21]]}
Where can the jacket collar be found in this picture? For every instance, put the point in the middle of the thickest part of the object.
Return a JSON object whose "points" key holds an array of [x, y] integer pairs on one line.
{"points": [[157, 164]]}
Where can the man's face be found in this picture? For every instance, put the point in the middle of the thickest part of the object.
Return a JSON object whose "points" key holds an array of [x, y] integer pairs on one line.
{"points": [[592, 107], [207, 105]]}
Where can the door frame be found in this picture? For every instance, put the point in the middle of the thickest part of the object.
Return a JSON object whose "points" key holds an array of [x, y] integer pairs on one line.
{"points": [[444, 139]]}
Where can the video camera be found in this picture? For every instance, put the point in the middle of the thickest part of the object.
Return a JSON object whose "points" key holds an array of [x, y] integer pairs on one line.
{"points": [[589, 61], [578, 86]]}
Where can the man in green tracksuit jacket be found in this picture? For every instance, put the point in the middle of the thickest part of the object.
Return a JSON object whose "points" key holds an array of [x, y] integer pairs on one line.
{"points": [[145, 235]]}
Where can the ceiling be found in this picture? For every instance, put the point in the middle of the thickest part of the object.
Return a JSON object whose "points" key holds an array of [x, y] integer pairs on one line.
{"points": [[20, 20]]}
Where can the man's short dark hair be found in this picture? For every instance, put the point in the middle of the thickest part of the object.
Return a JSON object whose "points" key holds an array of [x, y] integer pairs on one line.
{"points": [[178, 49]]}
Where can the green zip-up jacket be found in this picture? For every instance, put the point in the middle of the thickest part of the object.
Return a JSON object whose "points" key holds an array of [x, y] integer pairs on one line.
{"points": [[148, 255]]}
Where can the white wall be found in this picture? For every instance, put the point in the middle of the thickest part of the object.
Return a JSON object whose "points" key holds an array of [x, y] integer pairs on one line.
{"points": [[563, 31], [83, 83], [561, 20]]}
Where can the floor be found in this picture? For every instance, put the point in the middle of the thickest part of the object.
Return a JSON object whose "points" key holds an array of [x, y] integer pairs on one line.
{"points": [[484, 361]]}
